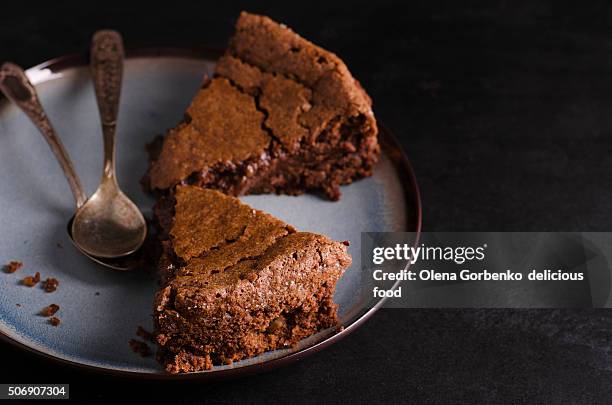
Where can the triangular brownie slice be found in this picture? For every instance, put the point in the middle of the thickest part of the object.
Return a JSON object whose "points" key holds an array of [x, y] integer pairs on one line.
{"points": [[238, 282], [280, 115]]}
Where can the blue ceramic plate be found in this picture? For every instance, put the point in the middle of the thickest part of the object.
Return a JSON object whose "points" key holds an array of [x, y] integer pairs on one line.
{"points": [[101, 309]]}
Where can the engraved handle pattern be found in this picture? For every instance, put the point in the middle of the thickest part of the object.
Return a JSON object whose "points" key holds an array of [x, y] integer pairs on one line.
{"points": [[107, 71], [15, 85], [106, 63]]}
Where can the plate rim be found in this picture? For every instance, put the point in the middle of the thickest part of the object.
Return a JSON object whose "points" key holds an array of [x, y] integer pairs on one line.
{"points": [[388, 143]]}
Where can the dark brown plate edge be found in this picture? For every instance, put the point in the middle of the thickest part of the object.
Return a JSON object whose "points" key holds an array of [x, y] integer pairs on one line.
{"points": [[413, 224]]}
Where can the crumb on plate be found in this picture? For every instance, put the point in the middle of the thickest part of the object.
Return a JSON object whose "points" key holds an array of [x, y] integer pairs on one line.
{"points": [[31, 281], [139, 347], [49, 310], [50, 285], [13, 266]]}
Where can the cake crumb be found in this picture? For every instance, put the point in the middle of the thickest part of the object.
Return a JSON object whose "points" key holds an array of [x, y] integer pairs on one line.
{"points": [[346, 243], [49, 310], [55, 321], [140, 348], [13, 266], [19, 305], [31, 281], [50, 285], [145, 334]]}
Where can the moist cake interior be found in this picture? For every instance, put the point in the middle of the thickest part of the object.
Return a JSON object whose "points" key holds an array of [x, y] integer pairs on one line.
{"points": [[238, 282]]}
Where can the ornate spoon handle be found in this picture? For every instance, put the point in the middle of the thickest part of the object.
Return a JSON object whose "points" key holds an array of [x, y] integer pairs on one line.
{"points": [[106, 64], [17, 88]]}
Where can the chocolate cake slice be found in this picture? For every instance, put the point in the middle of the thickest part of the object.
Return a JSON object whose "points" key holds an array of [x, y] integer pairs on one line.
{"points": [[280, 115], [237, 282]]}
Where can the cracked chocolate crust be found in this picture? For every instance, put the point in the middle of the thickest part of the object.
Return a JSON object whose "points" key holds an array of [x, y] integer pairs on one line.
{"points": [[237, 282], [280, 115]]}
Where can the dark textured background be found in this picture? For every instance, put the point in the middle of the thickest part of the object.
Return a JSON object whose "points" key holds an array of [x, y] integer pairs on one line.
{"points": [[504, 109]]}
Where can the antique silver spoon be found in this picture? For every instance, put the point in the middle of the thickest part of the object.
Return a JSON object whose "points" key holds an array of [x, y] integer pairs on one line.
{"points": [[18, 89], [109, 224]]}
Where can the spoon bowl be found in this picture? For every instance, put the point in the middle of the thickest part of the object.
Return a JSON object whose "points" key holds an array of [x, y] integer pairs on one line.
{"points": [[123, 263], [109, 224]]}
